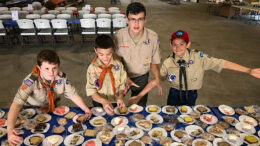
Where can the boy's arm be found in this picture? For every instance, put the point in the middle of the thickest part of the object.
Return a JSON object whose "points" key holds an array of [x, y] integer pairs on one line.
{"points": [[13, 137], [156, 80], [80, 103], [148, 87], [105, 103], [236, 67]]}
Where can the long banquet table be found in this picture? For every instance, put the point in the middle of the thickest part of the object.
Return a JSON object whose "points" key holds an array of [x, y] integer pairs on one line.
{"points": [[53, 122]]}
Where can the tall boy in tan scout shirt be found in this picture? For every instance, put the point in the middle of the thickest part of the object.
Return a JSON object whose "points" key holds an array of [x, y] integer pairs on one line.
{"points": [[139, 49], [40, 88], [185, 69], [106, 76]]}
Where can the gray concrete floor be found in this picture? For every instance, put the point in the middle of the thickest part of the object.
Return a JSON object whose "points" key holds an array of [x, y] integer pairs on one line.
{"points": [[233, 40]]}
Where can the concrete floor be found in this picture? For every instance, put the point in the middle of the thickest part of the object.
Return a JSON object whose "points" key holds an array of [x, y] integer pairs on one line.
{"points": [[233, 40]]}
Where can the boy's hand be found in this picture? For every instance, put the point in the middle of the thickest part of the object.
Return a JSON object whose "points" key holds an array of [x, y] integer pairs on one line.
{"points": [[120, 103], [134, 100], [108, 107], [255, 72], [129, 83], [88, 113], [13, 139]]}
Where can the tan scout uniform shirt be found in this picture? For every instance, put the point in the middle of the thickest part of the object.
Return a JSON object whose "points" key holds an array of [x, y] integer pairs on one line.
{"points": [[106, 91], [35, 93], [138, 57], [197, 64]]}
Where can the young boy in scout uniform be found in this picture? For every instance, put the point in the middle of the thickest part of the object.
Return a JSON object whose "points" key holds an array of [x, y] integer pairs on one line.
{"points": [[106, 76], [40, 88], [185, 69], [139, 49]]}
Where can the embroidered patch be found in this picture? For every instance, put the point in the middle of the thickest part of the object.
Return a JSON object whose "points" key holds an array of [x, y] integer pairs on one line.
{"points": [[28, 82], [97, 83], [171, 77], [67, 81], [117, 83], [116, 67], [24, 87], [147, 59], [158, 42], [201, 54], [179, 33], [58, 82], [190, 61], [147, 42]]}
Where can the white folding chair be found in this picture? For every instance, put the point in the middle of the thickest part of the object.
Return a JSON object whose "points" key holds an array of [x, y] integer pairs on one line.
{"points": [[81, 13], [114, 12], [63, 16], [70, 12], [89, 16], [24, 8], [14, 9], [43, 28], [55, 12], [39, 12], [3, 33], [60, 8], [26, 29], [113, 8], [33, 16], [104, 16], [36, 5], [118, 23], [5, 16], [118, 16], [72, 8], [103, 26], [3, 8], [100, 12], [48, 16], [60, 28], [6, 12], [100, 9], [88, 27]]}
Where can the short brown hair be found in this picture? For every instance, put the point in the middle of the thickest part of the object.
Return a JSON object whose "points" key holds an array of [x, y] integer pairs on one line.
{"points": [[48, 56], [104, 42]]}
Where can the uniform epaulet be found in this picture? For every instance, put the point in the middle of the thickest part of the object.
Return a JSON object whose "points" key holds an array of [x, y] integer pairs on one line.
{"points": [[33, 77], [63, 75]]}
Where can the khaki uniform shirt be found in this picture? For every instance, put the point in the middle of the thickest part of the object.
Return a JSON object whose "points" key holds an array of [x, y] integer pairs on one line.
{"points": [[106, 91], [32, 92], [197, 63], [138, 57]]}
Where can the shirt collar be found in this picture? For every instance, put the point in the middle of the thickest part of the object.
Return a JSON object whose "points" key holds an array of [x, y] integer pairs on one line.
{"points": [[143, 39], [185, 57], [98, 62]]}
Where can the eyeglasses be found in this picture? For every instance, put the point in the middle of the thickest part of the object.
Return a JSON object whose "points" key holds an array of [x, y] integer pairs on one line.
{"points": [[136, 20]]}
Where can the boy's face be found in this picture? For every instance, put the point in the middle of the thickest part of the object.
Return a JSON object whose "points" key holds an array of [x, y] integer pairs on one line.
{"points": [[136, 22], [179, 47], [48, 70], [104, 55]]}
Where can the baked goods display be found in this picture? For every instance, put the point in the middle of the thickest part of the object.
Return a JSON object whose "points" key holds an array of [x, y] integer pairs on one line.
{"points": [[58, 129], [35, 140], [62, 121], [90, 133], [137, 117]]}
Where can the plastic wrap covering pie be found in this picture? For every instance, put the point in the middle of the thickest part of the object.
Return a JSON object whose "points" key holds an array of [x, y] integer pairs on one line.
{"points": [[20, 122], [207, 136], [240, 111], [137, 117], [70, 115], [58, 129], [144, 124], [200, 143], [146, 139], [74, 139], [232, 121], [122, 110], [62, 121], [105, 136], [35, 140], [90, 133]]}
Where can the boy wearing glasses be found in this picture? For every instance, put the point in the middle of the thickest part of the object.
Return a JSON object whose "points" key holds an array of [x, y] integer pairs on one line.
{"points": [[185, 69], [139, 48]]}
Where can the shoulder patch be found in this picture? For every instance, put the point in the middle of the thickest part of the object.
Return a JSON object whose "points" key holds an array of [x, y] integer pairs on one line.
{"points": [[33, 77], [28, 83]]}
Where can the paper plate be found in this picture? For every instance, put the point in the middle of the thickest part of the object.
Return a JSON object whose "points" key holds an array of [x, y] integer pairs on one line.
{"points": [[159, 117], [143, 128], [195, 108], [226, 110], [2, 113], [47, 116], [3, 132], [189, 109], [111, 137], [226, 118], [97, 142], [239, 126], [130, 141], [164, 133], [181, 119], [76, 117], [27, 139], [46, 142], [208, 143], [192, 128], [137, 136], [121, 129], [238, 141], [98, 111], [216, 134], [84, 127], [248, 120], [91, 122], [124, 121], [216, 140], [44, 131], [70, 137], [176, 138], [156, 106], [28, 113], [243, 135], [67, 109], [214, 119], [117, 112], [169, 113], [138, 110]]}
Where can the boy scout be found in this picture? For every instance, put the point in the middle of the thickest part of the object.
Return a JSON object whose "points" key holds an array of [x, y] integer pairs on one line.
{"points": [[187, 67], [106, 76], [139, 48], [40, 88]]}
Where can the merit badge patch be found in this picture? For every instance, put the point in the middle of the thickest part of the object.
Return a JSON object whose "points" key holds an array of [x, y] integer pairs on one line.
{"points": [[67, 81], [28, 83], [190, 61], [97, 83], [201, 54], [58, 82], [116, 67], [171, 77], [117, 83]]}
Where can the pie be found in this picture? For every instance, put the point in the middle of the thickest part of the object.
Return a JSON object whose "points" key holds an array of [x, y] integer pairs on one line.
{"points": [[223, 143], [62, 121], [197, 132], [168, 126], [121, 136], [179, 134], [152, 109], [155, 119], [105, 137], [70, 115], [134, 132], [137, 117], [135, 143], [90, 133], [157, 133], [170, 109], [40, 118], [122, 110], [184, 109], [146, 139], [98, 122], [40, 127], [35, 140], [207, 136], [145, 124], [82, 118], [200, 143], [240, 111], [133, 107], [202, 109], [251, 139], [77, 127], [165, 141], [216, 129]]}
